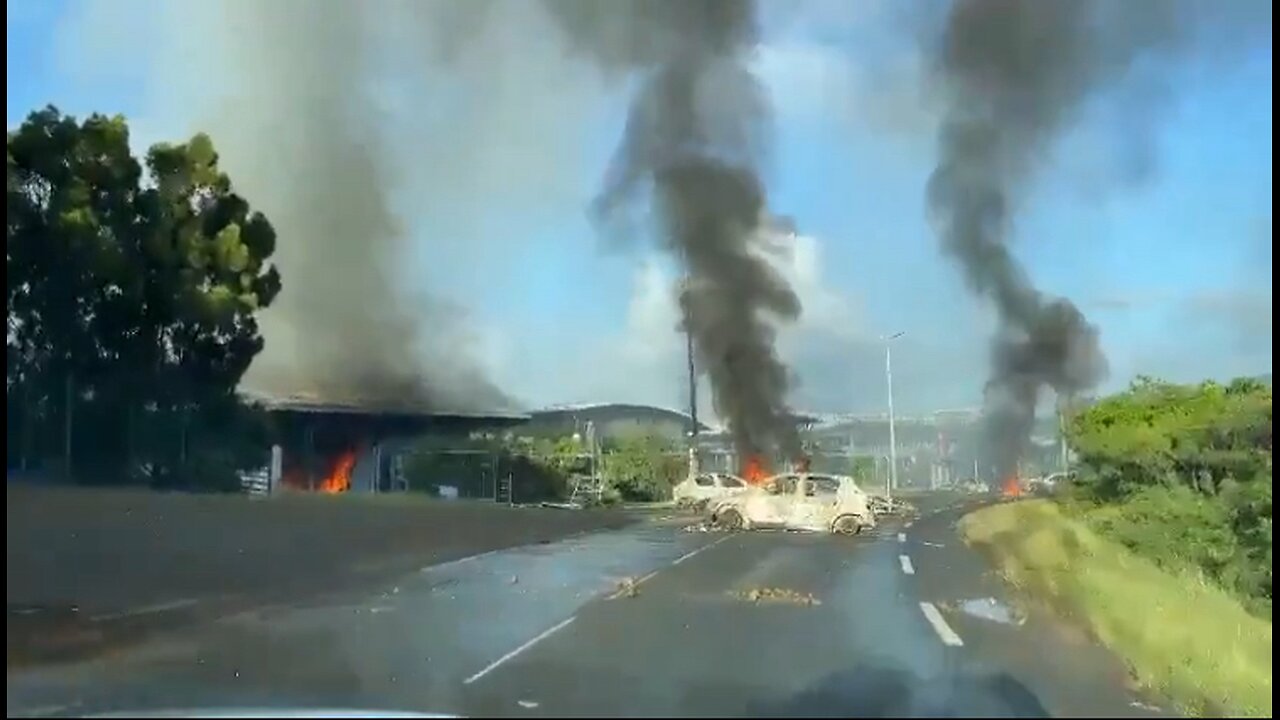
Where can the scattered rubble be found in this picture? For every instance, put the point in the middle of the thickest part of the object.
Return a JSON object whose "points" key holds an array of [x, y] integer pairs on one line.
{"points": [[987, 608], [627, 588], [881, 506], [705, 526], [778, 595]]}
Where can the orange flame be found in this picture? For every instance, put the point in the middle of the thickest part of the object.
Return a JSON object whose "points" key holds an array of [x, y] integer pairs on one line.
{"points": [[339, 478], [1011, 488], [754, 471], [336, 480]]}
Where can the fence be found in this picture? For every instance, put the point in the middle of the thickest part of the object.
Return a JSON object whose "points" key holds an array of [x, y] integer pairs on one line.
{"points": [[256, 483]]}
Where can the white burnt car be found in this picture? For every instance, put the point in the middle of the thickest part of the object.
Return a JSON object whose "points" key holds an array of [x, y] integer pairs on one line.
{"points": [[798, 501], [700, 489]]}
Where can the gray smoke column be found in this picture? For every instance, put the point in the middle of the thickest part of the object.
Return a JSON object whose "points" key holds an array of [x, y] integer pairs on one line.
{"points": [[693, 141], [306, 146], [1016, 75]]}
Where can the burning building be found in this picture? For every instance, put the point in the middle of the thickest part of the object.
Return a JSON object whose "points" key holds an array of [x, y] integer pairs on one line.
{"points": [[334, 447]]}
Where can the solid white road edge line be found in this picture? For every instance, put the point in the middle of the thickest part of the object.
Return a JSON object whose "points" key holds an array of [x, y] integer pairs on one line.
{"points": [[906, 565], [537, 639], [940, 626], [902, 537], [691, 553]]}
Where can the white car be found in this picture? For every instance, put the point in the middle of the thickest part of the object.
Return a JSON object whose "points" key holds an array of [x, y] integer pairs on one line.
{"points": [[798, 501], [698, 490]]}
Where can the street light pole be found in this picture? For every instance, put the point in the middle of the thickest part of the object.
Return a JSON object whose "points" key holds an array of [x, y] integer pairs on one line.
{"points": [[892, 480]]}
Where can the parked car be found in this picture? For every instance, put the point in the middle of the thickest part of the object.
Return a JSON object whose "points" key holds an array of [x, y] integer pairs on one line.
{"points": [[697, 490], [798, 501]]}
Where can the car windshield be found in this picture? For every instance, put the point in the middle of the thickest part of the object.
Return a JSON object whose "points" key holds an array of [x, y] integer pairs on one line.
{"points": [[645, 358]]}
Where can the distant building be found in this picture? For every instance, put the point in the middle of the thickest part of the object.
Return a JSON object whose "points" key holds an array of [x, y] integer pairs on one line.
{"points": [[610, 421]]}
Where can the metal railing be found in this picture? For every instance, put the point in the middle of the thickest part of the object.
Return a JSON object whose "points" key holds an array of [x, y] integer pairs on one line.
{"points": [[256, 483]]}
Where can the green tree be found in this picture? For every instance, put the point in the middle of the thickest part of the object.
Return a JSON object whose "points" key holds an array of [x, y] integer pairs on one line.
{"points": [[131, 295], [1183, 475], [863, 470], [642, 467]]}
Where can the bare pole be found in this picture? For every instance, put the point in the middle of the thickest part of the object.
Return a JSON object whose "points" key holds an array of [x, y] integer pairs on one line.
{"points": [[692, 372], [892, 480]]}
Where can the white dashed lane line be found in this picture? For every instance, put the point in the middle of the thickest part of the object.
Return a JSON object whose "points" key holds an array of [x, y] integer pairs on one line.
{"points": [[537, 639], [157, 608], [902, 537], [907, 568], [691, 553], [940, 626]]}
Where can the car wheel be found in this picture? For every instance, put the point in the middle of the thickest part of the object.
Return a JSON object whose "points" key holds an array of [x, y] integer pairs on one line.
{"points": [[847, 525], [730, 520]]}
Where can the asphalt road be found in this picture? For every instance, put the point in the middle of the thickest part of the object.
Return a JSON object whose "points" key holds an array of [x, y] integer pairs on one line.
{"points": [[649, 620], [92, 568]]}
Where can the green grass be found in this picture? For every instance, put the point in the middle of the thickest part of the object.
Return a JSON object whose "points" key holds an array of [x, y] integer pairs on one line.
{"points": [[1183, 637]]}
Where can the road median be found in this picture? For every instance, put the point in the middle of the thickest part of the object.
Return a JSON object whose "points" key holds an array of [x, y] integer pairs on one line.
{"points": [[1183, 637]]}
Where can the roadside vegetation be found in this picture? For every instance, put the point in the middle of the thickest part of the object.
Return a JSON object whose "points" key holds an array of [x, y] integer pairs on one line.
{"points": [[133, 286], [1161, 545], [640, 467]]}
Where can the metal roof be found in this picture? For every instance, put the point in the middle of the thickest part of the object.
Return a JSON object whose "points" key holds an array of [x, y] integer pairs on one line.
{"points": [[384, 406]]}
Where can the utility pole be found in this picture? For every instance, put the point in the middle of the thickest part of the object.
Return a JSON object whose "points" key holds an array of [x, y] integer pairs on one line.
{"points": [[693, 377], [893, 439], [1062, 431]]}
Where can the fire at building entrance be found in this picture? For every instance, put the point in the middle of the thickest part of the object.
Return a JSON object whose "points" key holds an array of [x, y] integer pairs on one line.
{"points": [[331, 448]]}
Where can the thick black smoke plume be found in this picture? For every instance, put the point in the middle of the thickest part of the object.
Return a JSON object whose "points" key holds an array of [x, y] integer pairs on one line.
{"points": [[1016, 75], [693, 137]]}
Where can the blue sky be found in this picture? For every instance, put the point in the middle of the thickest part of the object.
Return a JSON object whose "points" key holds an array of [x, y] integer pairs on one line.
{"points": [[1172, 269]]}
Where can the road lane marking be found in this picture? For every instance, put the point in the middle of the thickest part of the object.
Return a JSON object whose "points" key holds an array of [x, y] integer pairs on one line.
{"points": [[460, 561], [695, 551], [902, 537], [906, 565], [537, 639], [940, 626], [625, 588], [909, 524], [147, 610]]}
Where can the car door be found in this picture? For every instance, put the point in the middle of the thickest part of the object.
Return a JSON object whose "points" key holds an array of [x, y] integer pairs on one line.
{"points": [[773, 509], [814, 505]]}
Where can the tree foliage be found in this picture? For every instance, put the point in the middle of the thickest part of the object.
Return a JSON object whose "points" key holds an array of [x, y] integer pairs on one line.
{"points": [[1182, 473], [642, 467], [132, 292]]}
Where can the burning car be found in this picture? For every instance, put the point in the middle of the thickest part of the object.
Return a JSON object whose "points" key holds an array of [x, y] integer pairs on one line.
{"points": [[697, 490], [798, 501]]}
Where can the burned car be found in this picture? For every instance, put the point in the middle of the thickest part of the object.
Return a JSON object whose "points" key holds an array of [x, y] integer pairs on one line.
{"points": [[798, 501], [698, 490]]}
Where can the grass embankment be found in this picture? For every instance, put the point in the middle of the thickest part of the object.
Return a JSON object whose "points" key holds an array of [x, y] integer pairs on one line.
{"points": [[1183, 637]]}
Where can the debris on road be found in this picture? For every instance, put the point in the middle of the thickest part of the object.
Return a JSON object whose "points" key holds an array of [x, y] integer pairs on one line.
{"points": [[562, 505], [987, 608], [627, 587], [881, 505], [527, 704], [702, 527], [932, 544], [781, 595]]}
